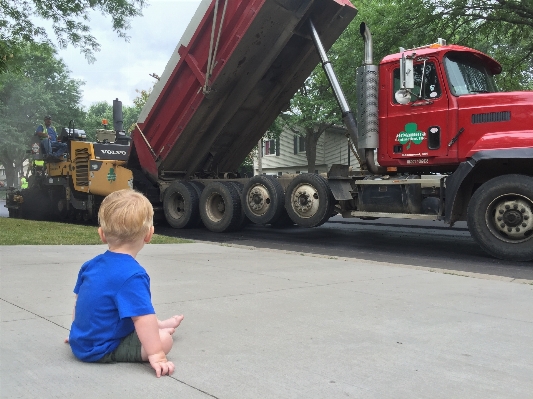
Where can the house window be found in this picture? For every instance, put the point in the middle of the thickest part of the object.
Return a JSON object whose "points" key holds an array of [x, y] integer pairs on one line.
{"points": [[299, 143], [272, 147]]}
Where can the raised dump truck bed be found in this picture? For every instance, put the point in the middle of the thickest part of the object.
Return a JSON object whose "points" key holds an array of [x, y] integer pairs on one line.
{"points": [[263, 55]]}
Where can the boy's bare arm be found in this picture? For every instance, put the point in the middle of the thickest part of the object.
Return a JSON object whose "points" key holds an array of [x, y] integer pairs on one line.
{"points": [[148, 331], [73, 314]]}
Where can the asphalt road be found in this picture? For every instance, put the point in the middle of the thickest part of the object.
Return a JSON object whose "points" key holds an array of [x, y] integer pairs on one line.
{"points": [[417, 243], [410, 242]]}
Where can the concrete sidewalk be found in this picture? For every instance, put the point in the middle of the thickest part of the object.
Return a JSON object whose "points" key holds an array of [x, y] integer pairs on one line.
{"points": [[266, 324]]}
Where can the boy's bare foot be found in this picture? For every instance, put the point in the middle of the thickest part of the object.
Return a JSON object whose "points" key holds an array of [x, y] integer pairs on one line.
{"points": [[172, 322]]}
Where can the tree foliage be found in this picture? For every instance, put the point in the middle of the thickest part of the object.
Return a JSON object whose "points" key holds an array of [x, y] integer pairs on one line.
{"points": [[313, 110], [104, 110], [41, 87], [70, 23], [502, 29]]}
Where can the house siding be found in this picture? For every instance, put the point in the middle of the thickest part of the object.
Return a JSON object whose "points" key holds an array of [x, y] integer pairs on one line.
{"points": [[332, 148]]}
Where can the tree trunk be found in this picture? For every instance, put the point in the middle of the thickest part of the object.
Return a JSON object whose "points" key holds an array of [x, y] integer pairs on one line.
{"points": [[11, 178], [19, 170], [310, 151], [312, 135]]}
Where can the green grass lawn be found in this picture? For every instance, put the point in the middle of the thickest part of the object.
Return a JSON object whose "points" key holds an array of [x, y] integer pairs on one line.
{"points": [[31, 232]]}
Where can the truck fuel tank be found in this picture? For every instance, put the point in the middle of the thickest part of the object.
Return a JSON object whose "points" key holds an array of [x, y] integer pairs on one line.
{"points": [[389, 198]]}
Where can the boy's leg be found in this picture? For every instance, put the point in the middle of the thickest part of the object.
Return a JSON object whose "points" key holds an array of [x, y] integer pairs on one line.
{"points": [[129, 350], [172, 322], [166, 342]]}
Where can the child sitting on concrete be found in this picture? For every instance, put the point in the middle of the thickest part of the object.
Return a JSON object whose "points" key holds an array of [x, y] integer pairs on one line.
{"points": [[114, 320]]}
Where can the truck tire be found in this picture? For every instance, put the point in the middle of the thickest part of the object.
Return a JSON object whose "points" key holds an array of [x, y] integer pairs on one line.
{"points": [[308, 200], [199, 187], [263, 199], [243, 219], [181, 205], [220, 207], [283, 221], [500, 217], [332, 211]]}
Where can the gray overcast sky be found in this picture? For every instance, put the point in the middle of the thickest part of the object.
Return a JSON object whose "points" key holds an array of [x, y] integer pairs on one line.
{"points": [[122, 67]]}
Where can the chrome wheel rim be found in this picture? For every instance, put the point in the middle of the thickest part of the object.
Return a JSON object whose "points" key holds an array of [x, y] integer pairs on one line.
{"points": [[510, 218]]}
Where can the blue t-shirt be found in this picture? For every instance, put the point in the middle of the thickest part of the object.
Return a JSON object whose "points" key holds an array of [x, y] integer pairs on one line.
{"points": [[50, 130], [112, 288]]}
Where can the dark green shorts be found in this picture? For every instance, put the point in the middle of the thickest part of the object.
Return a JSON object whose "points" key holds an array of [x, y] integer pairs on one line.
{"points": [[129, 350]]}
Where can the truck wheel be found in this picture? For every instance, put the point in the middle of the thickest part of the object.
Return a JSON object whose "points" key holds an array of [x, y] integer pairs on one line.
{"points": [[220, 207], [308, 200], [243, 218], [331, 210], [500, 217], [199, 187], [181, 205], [263, 199], [283, 221]]}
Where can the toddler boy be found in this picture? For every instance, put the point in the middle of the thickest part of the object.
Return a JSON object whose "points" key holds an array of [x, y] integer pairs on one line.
{"points": [[114, 320]]}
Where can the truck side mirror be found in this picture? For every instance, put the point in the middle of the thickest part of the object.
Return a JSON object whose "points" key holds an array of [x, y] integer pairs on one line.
{"points": [[407, 78], [402, 97], [406, 71]]}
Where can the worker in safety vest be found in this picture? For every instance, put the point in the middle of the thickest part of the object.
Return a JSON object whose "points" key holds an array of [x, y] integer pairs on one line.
{"points": [[48, 137], [23, 183]]}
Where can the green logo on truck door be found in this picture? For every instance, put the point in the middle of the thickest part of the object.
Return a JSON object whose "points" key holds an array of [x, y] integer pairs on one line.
{"points": [[111, 176], [410, 135]]}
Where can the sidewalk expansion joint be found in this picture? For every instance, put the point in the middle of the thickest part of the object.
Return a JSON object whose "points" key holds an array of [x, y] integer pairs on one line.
{"points": [[147, 365], [35, 314]]}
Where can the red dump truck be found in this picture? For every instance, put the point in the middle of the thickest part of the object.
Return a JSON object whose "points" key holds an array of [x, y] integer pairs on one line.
{"points": [[449, 146]]}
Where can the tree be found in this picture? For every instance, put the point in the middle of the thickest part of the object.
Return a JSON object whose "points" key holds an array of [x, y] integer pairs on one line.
{"points": [[94, 116], [313, 110], [103, 110], [41, 86], [501, 28], [69, 19]]}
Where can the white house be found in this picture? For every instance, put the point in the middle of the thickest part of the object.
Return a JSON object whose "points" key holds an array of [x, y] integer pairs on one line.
{"points": [[287, 154]]}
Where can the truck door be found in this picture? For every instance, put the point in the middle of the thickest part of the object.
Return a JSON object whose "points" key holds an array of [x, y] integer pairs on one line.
{"points": [[417, 132]]}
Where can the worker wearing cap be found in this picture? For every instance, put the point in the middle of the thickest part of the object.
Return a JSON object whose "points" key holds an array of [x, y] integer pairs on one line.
{"points": [[48, 137]]}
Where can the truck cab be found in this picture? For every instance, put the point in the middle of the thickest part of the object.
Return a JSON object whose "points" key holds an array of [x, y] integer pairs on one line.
{"points": [[453, 111]]}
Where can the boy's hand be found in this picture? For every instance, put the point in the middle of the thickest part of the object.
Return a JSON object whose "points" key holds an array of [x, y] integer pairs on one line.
{"points": [[160, 364], [66, 340]]}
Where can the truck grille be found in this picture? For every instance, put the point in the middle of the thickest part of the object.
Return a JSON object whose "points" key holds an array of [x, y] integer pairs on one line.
{"points": [[82, 167]]}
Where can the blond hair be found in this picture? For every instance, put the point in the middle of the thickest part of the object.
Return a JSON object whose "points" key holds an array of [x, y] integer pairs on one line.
{"points": [[125, 216]]}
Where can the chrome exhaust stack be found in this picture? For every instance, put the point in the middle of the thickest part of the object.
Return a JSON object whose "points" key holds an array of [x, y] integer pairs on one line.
{"points": [[367, 103]]}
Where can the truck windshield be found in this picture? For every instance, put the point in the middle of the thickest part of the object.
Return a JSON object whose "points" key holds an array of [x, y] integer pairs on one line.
{"points": [[468, 75]]}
